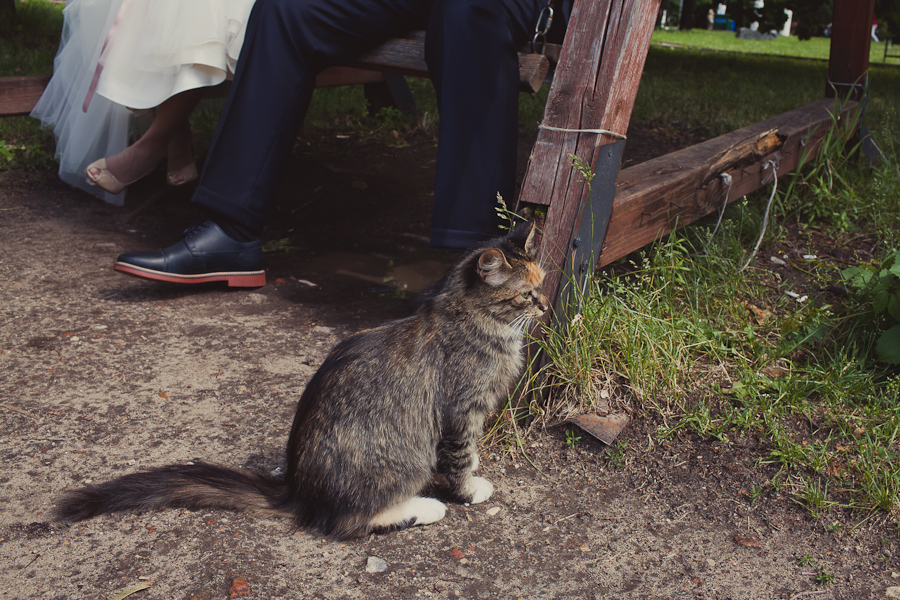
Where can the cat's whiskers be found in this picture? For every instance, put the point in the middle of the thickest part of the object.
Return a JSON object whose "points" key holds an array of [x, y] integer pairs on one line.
{"points": [[521, 322]]}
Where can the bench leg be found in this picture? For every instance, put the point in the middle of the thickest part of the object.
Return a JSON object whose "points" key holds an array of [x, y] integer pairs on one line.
{"points": [[393, 92]]}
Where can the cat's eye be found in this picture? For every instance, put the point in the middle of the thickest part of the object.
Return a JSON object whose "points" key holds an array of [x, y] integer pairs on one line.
{"points": [[526, 295]]}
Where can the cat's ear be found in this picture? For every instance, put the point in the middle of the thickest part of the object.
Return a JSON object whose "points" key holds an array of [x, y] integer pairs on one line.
{"points": [[490, 267], [525, 236]]}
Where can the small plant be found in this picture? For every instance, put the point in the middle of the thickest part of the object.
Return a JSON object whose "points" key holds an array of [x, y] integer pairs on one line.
{"points": [[806, 560], [814, 496], [756, 492], [824, 578], [835, 527], [878, 285], [616, 454], [571, 438]]}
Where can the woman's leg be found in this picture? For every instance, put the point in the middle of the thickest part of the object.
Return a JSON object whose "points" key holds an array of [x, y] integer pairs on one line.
{"points": [[170, 125]]}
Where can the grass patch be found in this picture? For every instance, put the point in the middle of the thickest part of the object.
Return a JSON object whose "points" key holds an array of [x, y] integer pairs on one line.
{"points": [[684, 333], [816, 48]]}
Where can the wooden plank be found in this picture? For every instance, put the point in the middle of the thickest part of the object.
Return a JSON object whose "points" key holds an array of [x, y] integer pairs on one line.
{"points": [[594, 87], [337, 76], [851, 37], [18, 95], [674, 190], [407, 57]]}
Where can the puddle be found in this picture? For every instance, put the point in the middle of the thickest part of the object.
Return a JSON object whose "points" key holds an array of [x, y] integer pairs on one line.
{"points": [[410, 273]]}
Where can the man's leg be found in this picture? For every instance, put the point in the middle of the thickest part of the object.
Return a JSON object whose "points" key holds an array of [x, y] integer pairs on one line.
{"points": [[287, 43], [471, 49]]}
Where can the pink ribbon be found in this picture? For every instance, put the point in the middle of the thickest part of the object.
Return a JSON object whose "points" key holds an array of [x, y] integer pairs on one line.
{"points": [[103, 51]]}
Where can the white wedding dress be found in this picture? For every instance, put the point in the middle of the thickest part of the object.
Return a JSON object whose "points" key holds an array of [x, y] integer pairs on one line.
{"points": [[148, 50]]}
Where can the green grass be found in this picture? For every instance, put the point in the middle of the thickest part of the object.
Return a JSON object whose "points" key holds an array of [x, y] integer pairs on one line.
{"points": [[686, 334], [817, 47]]}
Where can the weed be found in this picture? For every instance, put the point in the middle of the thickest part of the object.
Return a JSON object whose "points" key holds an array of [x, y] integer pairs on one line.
{"points": [[571, 438], [824, 578], [805, 560], [616, 454], [877, 289], [813, 495], [756, 492]]}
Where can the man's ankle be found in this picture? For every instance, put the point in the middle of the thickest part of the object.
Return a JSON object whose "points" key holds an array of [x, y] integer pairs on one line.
{"points": [[235, 230]]}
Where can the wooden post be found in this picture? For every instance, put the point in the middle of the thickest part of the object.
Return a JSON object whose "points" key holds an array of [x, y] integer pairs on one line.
{"points": [[594, 87], [848, 64]]}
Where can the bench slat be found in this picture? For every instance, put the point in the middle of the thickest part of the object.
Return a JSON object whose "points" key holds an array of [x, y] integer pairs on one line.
{"points": [[18, 95], [407, 57]]}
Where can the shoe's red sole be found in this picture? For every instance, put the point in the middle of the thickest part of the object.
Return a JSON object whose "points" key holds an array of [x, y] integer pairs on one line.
{"points": [[235, 279]]}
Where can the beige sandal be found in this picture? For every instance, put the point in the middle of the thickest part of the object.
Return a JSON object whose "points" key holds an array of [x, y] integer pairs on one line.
{"points": [[106, 180]]}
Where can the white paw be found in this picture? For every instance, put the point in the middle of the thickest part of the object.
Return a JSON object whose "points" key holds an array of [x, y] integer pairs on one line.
{"points": [[475, 461], [481, 489], [427, 510]]}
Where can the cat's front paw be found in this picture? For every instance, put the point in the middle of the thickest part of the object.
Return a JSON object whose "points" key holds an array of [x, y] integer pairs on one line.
{"points": [[480, 489], [427, 510]]}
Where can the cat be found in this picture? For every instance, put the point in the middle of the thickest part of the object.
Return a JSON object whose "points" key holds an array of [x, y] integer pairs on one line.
{"points": [[393, 412]]}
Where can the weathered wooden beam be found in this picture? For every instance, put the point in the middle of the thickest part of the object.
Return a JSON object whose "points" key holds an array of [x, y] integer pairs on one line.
{"points": [[18, 95], [674, 190], [594, 87], [851, 37]]}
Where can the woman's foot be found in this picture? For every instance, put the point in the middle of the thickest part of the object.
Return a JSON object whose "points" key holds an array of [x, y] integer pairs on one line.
{"points": [[115, 173], [181, 168]]}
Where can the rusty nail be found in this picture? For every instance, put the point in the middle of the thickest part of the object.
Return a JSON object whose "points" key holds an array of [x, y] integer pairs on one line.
{"points": [[674, 204]]}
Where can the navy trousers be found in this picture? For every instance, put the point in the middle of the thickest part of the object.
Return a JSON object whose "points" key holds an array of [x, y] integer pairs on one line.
{"points": [[471, 51]]}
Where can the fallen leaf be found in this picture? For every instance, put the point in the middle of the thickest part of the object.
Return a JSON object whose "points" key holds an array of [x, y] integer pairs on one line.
{"points": [[164, 396], [761, 315], [748, 541], [130, 590], [457, 554], [239, 587], [773, 371]]}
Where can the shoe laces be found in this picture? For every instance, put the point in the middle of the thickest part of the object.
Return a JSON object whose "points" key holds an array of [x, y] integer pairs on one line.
{"points": [[198, 227]]}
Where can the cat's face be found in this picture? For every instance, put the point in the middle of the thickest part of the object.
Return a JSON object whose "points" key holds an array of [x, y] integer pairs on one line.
{"points": [[514, 280]]}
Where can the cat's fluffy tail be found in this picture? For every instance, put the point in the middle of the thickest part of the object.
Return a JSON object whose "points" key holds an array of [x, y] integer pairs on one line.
{"points": [[196, 485]]}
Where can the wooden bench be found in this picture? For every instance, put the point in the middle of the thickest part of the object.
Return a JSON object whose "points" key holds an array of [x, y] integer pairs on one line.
{"points": [[399, 56]]}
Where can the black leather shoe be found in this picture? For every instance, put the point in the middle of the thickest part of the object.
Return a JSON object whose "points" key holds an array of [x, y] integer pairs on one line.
{"points": [[205, 254]]}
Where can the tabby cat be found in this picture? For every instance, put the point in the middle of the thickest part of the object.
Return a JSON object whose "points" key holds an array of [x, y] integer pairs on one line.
{"points": [[392, 412]]}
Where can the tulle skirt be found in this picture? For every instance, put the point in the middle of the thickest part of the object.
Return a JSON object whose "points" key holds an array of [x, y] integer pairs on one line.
{"points": [[154, 49]]}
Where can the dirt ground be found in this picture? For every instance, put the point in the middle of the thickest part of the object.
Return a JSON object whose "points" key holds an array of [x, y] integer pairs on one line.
{"points": [[102, 374]]}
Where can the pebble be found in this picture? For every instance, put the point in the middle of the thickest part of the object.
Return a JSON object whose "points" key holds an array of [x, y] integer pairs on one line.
{"points": [[255, 299], [376, 565], [892, 592], [710, 563], [239, 587], [493, 511]]}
